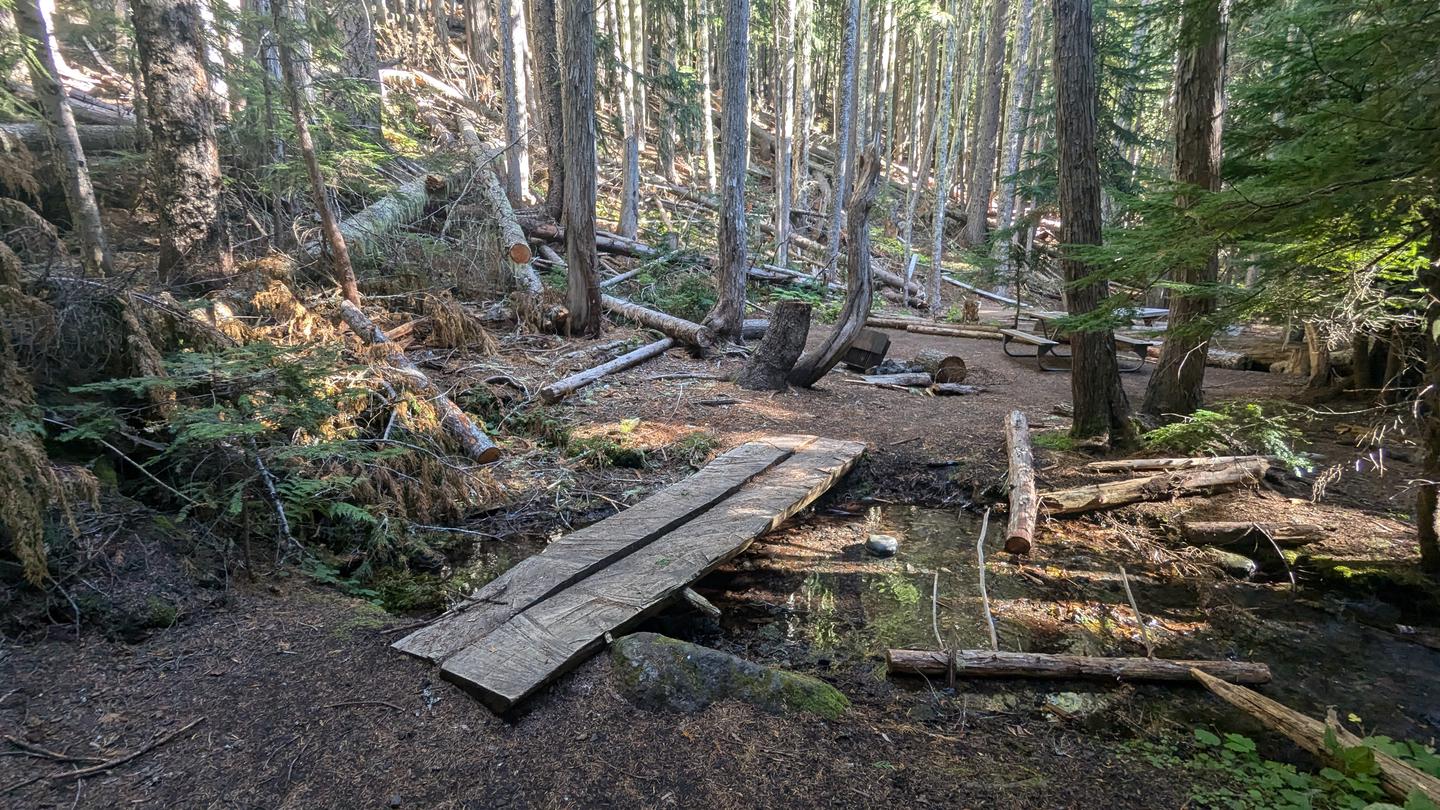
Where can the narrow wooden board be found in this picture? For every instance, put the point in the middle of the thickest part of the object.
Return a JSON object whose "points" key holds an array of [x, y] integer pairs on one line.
{"points": [[581, 553], [552, 636]]}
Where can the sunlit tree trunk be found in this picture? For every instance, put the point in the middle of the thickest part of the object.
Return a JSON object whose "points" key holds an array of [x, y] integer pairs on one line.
{"points": [[1101, 407], [1429, 486], [1021, 88], [578, 125], [844, 132], [707, 96], [344, 272], [68, 155], [942, 170], [729, 310], [784, 125], [983, 177], [185, 160], [1175, 387], [514, 59], [804, 97], [629, 224], [922, 140]]}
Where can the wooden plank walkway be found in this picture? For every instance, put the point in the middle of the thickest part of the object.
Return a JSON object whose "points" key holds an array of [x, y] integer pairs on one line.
{"points": [[551, 636], [586, 551]]}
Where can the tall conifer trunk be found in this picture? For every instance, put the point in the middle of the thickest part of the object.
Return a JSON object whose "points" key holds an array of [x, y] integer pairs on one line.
{"points": [[577, 89], [729, 311], [1101, 407], [1175, 387]]}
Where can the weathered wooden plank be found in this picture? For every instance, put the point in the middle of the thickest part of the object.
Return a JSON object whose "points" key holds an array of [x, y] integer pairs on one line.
{"points": [[583, 552], [554, 635]]}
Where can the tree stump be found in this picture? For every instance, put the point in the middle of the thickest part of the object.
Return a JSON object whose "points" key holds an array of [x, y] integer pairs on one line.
{"points": [[779, 349]]}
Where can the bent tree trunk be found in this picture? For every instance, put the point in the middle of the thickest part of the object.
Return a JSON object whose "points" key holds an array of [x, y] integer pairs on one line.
{"points": [[776, 355], [860, 291], [185, 160]]}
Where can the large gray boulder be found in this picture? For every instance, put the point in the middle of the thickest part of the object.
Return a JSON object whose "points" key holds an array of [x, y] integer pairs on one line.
{"points": [[658, 672]]}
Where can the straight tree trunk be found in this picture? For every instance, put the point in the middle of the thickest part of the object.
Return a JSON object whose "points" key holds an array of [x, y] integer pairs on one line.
{"points": [[343, 271], [942, 171], [185, 159], [514, 59], [547, 67], [629, 223], [1022, 85], [804, 99], [922, 141], [60, 128], [707, 98], [1101, 407], [1175, 387], [582, 295], [1429, 487], [977, 209], [850, 28], [733, 268], [479, 41], [784, 126], [666, 22]]}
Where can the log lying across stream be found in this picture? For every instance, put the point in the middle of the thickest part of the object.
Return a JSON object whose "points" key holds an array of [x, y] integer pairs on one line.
{"points": [[1148, 464], [476, 444], [1202, 480], [1226, 533], [990, 664], [1398, 779]]}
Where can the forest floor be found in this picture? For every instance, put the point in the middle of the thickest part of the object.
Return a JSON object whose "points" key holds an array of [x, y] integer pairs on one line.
{"points": [[303, 704]]}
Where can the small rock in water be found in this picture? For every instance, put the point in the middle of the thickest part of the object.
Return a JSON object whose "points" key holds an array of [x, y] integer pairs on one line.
{"points": [[882, 545], [1235, 565]]}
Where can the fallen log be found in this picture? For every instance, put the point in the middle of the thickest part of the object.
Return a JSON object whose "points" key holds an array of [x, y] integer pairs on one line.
{"points": [[975, 332], [689, 333], [1398, 779], [996, 297], [476, 444], [918, 378], [892, 323], [955, 389], [93, 137], [990, 664], [1023, 503], [1228, 533], [945, 368], [405, 204], [621, 277], [916, 292], [1156, 487], [752, 328], [1142, 464], [558, 390]]}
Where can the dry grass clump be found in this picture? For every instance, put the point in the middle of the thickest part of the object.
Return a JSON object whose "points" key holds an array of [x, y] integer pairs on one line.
{"points": [[454, 325]]}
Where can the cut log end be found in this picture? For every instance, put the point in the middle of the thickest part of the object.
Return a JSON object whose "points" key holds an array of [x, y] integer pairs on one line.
{"points": [[1017, 544], [520, 253]]}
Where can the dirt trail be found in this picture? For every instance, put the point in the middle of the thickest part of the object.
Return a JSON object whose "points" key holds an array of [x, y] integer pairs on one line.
{"points": [[306, 706]]}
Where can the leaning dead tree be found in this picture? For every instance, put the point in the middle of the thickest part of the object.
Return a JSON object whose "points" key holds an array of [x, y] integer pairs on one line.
{"points": [[1023, 502], [860, 290], [474, 441]]}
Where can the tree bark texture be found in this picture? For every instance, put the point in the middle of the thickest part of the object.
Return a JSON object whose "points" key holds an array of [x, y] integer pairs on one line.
{"points": [[782, 345], [185, 160], [844, 133], [546, 38], [988, 664], [942, 169], [1175, 387], [977, 211], [731, 272], [1020, 532], [1101, 407], [582, 294], [514, 60]]}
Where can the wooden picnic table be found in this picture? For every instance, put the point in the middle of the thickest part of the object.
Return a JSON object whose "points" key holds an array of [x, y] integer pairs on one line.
{"points": [[1051, 337], [1045, 319]]}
